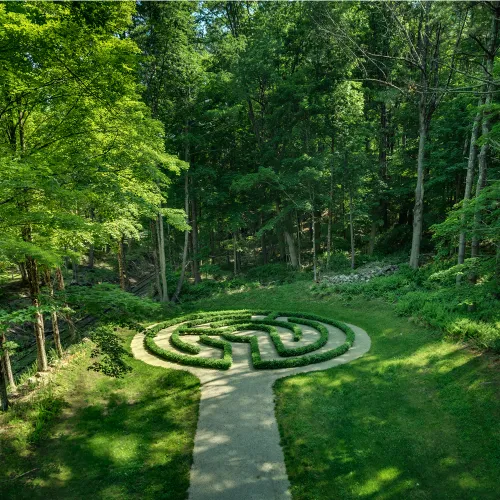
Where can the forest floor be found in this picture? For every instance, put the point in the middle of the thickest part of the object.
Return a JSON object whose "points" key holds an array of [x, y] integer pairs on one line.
{"points": [[416, 417]]}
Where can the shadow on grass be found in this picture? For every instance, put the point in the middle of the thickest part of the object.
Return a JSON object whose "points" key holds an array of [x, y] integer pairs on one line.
{"points": [[121, 443], [424, 426]]}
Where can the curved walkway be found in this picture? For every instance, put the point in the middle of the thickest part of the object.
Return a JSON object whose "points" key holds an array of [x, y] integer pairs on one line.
{"points": [[237, 453]]}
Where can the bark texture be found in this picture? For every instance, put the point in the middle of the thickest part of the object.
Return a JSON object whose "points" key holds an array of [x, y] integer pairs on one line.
{"points": [[468, 180], [161, 259], [186, 242], [292, 251], [55, 321]]}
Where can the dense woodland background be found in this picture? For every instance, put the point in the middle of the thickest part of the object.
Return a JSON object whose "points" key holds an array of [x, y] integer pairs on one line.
{"points": [[220, 145]]}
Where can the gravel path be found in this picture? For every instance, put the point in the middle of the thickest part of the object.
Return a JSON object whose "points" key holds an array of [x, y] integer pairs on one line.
{"points": [[237, 453]]}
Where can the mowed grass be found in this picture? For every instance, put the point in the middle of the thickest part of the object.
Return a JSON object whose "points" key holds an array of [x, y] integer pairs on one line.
{"points": [[113, 439], [416, 417]]}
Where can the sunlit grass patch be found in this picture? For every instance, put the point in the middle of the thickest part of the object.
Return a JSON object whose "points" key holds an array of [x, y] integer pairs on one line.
{"points": [[117, 438], [415, 417]]}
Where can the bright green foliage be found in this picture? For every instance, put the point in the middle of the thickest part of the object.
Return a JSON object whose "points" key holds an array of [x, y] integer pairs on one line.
{"points": [[468, 313], [305, 112], [81, 156], [461, 218], [108, 303]]}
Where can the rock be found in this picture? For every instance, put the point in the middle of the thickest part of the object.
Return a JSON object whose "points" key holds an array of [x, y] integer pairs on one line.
{"points": [[363, 274]]}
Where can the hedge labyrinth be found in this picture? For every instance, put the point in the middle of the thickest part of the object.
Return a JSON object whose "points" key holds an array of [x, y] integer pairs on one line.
{"points": [[238, 355], [217, 331]]}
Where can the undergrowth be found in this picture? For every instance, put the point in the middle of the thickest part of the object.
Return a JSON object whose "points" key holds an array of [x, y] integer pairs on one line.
{"points": [[467, 311]]}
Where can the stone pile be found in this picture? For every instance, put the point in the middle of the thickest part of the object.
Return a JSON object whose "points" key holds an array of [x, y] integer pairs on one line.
{"points": [[363, 274]]}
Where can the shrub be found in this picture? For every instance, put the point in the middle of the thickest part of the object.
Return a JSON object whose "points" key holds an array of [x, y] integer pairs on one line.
{"points": [[45, 410], [469, 312], [338, 262], [213, 270], [109, 303], [478, 333]]}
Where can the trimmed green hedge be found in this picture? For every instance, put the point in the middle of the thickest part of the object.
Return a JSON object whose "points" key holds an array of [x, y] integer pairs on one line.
{"points": [[224, 324]]}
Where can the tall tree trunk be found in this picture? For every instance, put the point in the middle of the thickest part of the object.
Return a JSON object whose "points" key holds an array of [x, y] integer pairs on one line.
{"points": [[24, 274], [468, 180], [186, 241], [154, 238], [315, 263], [481, 182], [161, 254], [330, 208], [38, 324], [4, 397], [7, 367], [169, 246], [289, 240], [383, 147], [194, 235], [429, 78], [161, 259], [121, 263], [291, 249], [59, 279], [418, 210], [54, 318], [486, 123], [34, 290], [60, 287], [351, 229], [282, 245]]}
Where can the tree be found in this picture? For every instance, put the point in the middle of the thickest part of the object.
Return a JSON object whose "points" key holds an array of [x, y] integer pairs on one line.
{"points": [[74, 145]]}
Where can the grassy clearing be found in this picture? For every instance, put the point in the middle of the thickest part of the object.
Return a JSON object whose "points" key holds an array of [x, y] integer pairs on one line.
{"points": [[89, 435], [416, 417]]}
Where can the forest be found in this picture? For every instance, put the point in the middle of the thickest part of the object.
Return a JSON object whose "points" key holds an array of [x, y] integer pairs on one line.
{"points": [[158, 154]]}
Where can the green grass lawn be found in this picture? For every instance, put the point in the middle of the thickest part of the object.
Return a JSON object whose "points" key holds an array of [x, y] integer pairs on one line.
{"points": [[416, 417], [114, 438]]}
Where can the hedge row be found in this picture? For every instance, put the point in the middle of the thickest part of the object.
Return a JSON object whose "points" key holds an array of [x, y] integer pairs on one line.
{"points": [[232, 320], [296, 330], [176, 341], [222, 364]]}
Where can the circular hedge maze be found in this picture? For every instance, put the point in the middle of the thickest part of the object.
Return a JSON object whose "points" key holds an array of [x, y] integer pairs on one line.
{"points": [[190, 334]]}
